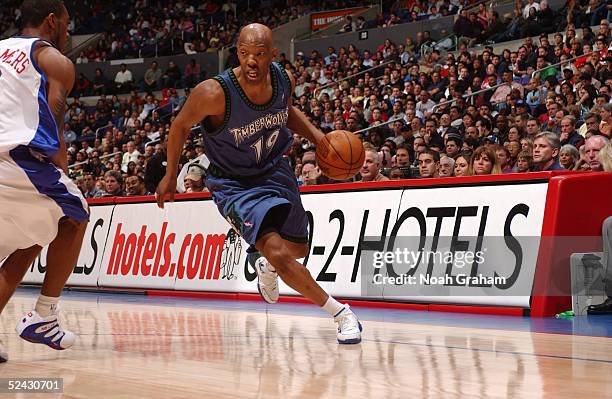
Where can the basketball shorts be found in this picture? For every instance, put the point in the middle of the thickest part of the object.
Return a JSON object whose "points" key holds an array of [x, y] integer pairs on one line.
{"points": [[34, 196], [255, 206]]}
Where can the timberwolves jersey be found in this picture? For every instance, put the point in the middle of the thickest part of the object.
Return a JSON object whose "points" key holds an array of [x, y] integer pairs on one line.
{"points": [[25, 117], [252, 137]]}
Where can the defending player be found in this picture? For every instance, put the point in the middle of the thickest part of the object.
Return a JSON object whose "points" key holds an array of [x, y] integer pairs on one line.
{"points": [[38, 202], [245, 115]]}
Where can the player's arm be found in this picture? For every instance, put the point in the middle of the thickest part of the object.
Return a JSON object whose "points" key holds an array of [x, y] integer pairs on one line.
{"points": [[60, 79], [205, 99], [298, 122]]}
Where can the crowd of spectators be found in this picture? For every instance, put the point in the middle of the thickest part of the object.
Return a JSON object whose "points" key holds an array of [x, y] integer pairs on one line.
{"points": [[149, 28], [478, 25], [557, 118], [154, 79], [437, 131]]}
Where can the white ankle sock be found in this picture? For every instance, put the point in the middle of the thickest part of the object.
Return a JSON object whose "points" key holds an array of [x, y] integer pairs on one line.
{"points": [[332, 306], [46, 305]]}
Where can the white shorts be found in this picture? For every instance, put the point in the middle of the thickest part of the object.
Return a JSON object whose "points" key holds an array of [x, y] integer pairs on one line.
{"points": [[34, 196]]}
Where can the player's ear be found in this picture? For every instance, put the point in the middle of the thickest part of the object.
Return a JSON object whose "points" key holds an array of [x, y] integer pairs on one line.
{"points": [[274, 53]]}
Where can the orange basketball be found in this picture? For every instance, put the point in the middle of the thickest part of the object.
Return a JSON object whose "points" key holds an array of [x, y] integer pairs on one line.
{"points": [[340, 155]]}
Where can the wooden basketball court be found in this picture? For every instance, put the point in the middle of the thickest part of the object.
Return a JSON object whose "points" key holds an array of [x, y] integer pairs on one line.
{"points": [[150, 347]]}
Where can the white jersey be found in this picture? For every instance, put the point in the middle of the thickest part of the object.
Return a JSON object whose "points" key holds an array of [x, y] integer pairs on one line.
{"points": [[34, 193], [25, 116]]}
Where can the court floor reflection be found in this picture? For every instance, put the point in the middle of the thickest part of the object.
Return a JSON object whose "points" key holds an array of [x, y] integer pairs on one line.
{"points": [[140, 347]]}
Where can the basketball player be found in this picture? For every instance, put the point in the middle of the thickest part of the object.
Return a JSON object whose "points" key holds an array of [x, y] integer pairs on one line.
{"points": [[246, 114], [40, 205]]}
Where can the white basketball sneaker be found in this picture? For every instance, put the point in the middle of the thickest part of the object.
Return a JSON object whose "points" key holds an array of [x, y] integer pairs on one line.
{"points": [[267, 280], [44, 330], [3, 353], [349, 328]]}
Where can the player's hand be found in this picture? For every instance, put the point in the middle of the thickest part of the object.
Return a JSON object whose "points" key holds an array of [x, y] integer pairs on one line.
{"points": [[165, 190]]}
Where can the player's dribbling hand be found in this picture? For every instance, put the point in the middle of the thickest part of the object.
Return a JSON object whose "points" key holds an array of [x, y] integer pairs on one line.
{"points": [[165, 190]]}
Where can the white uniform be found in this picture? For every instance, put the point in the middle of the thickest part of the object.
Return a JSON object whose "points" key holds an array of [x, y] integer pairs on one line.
{"points": [[34, 194]]}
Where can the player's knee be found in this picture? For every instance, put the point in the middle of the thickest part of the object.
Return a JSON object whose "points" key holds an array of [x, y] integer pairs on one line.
{"points": [[279, 256]]}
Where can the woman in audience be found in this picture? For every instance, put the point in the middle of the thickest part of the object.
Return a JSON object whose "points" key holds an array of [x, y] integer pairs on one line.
{"points": [[462, 166], [568, 156], [484, 162]]}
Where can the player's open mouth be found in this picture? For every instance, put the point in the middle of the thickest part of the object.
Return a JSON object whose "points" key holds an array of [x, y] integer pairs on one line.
{"points": [[252, 74]]}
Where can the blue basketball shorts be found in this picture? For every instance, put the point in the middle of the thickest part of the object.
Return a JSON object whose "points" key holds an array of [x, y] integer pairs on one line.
{"points": [[35, 195], [255, 206]]}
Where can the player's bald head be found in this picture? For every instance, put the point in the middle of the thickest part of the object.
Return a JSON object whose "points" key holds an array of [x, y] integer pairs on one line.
{"points": [[255, 35]]}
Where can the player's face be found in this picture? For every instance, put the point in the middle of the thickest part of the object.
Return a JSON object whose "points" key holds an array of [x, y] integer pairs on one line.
{"points": [[255, 59], [60, 25]]}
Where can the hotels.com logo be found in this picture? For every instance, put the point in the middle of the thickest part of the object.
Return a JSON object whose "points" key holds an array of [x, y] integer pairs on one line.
{"points": [[150, 254]]}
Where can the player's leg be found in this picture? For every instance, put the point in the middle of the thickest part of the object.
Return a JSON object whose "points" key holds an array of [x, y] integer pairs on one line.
{"points": [[297, 250], [61, 258], [267, 278], [13, 270], [11, 274], [67, 216], [276, 251]]}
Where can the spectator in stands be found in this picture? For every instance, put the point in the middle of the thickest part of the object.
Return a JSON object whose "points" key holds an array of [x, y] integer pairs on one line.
{"points": [[123, 80], [605, 157], [592, 123], [484, 162], [131, 155], [152, 78], [503, 158], [172, 76], [524, 162], [568, 157], [361, 23], [447, 165], [89, 186], [546, 148], [593, 146], [429, 163], [311, 174], [147, 107], [462, 166], [194, 180], [100, 83], [463, 27], [425, 104], [135, 186], [349, 25], [569, 135], [501, 93], [191, 76], [370, 171], [113, 182], [453, 144]]}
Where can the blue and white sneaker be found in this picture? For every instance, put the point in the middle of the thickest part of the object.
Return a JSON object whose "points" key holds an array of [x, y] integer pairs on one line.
{"points": [[44, 330], [3, 353], [349, 328], [267, 280]]}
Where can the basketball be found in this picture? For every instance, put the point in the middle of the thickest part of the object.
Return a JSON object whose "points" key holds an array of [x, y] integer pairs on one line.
{"points": [[340, 155]]}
